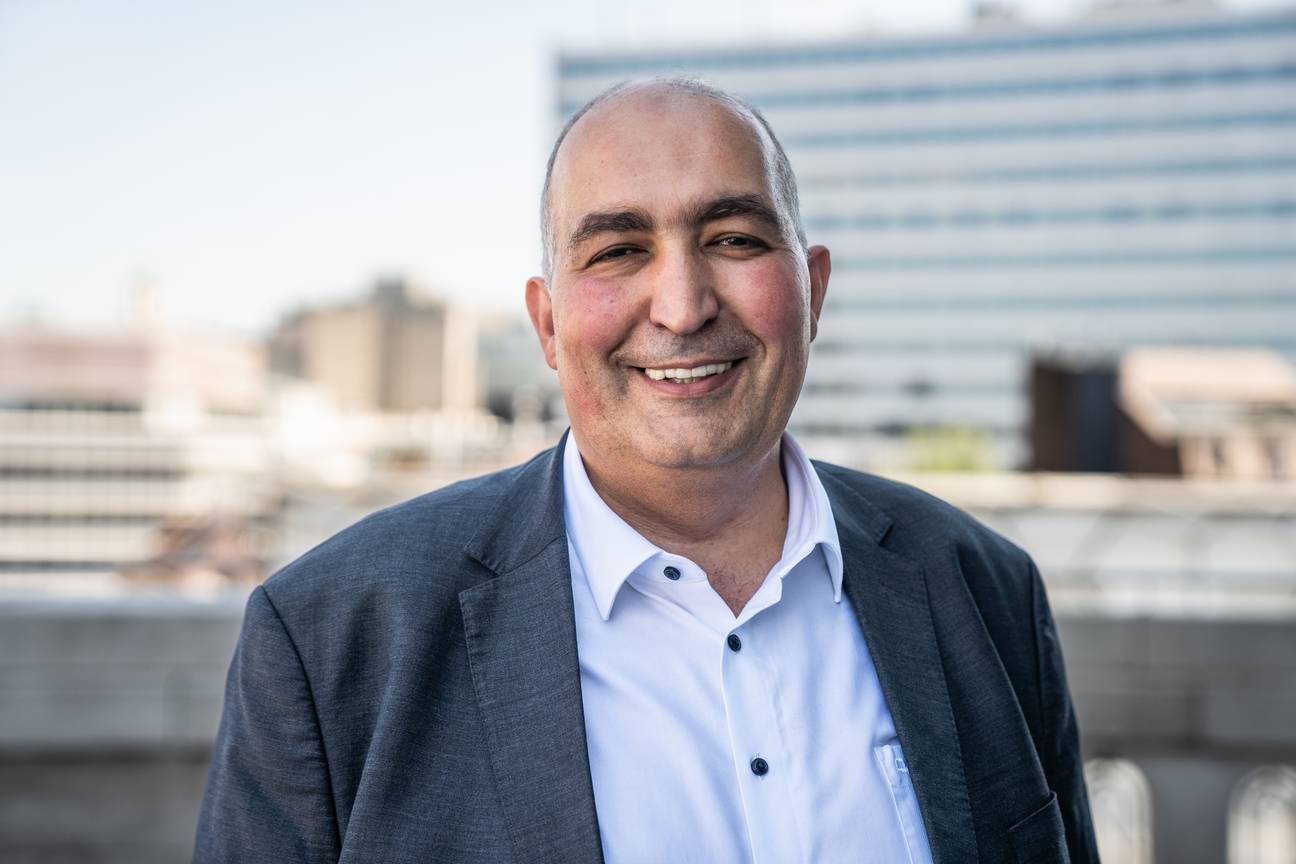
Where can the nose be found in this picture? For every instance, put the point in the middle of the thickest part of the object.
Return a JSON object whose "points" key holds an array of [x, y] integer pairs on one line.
{"points": [[683, 293]]}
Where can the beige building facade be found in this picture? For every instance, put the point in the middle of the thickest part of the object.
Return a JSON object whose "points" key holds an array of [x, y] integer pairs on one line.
{"points": [[393, 351]]}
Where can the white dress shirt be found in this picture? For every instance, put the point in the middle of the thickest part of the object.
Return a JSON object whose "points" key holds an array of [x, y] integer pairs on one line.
{"points": [[713, 738]]}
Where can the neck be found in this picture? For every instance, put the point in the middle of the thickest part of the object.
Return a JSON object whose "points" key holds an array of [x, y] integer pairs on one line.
{"points": [[730, 519]]}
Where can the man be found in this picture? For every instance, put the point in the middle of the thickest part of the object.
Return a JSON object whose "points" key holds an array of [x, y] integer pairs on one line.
{"points": [[672, 638]]}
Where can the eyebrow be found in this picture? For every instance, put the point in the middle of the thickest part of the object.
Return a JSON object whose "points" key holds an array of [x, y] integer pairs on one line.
{"points": [[632, 219], [609, 221], [730, 206]]}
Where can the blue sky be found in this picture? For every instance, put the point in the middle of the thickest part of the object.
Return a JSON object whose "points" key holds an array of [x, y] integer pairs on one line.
{"points": [[248, 157]]}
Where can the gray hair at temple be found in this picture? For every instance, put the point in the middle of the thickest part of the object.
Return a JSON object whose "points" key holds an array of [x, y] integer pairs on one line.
{"points": [[784, 181]]}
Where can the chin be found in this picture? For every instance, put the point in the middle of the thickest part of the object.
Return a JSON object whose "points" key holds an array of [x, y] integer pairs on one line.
{"points": [[700, 452]]}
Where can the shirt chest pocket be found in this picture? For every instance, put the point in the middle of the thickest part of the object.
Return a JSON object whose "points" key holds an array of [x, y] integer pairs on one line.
{"points": [[891, 762]]}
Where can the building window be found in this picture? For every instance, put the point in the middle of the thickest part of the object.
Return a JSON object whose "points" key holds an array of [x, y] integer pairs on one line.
{"points": [[1262, 817], [1273, 448], [1121, 802], [1219, 457]]}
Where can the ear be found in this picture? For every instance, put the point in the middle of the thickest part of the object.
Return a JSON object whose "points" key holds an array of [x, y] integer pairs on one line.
{"points": [[540, 307], [819, 261]]}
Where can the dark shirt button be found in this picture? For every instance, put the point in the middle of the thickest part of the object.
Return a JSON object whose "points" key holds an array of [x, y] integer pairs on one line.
{"points": [[671, 573], [759, 767], [735, 644]]}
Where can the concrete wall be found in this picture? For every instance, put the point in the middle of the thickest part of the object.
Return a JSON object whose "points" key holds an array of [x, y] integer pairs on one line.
{"points": [[1195, 703], [120, 807], [108, 708], [107, 713], [1183, 686]]}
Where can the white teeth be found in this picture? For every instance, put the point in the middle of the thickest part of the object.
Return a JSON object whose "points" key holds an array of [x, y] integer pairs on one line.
{"points": [[684, 376]]}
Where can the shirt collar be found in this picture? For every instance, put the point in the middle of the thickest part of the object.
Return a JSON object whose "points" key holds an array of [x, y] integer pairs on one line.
{"points": [[810, 517], [608, 550]]}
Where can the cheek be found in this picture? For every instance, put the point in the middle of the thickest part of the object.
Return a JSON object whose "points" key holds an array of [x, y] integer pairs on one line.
{"points": [[772, 304], [589, 323], [591, 317]]}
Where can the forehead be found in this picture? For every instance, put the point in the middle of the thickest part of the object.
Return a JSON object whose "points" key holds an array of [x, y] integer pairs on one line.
{"points": [[655, 149]]}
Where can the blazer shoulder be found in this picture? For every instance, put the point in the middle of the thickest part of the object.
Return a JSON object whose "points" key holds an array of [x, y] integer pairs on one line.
{"points": [[923, 525], [422, 536]]}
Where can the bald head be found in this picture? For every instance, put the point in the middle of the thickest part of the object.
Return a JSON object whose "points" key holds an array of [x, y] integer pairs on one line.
{"points": [[782, 181]]}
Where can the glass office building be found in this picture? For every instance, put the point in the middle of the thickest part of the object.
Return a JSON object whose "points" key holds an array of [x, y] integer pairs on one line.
{"points": [[1128, 178]]}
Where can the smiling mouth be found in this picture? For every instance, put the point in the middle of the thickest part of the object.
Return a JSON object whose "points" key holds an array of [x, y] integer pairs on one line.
{"points": [[679, 375]]}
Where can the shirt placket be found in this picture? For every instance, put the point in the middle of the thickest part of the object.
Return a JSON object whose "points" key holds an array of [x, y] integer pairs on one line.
{"points": [[761, 759]]}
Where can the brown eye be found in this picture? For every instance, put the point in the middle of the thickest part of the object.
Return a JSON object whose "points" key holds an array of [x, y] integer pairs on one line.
{"points": [[612, 254], [739, 241]]}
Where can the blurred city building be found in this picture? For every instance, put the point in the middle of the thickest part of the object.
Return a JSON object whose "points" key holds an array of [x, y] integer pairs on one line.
{"points": [[517, 385], [1176, 411], [149, 454], [140, 454], [393, 351], [1123, 179], [396, 393], [152, 455]]}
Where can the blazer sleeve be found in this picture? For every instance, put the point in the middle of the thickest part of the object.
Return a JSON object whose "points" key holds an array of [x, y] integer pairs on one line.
{"points": [[1060, 753], [268, 796]]}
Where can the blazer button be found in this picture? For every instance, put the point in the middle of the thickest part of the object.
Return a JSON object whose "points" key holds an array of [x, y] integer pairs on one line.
{"points": [[759, 767]]}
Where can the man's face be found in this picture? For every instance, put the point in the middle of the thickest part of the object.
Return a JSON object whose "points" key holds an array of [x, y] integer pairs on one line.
{"points": [[680, 309]]}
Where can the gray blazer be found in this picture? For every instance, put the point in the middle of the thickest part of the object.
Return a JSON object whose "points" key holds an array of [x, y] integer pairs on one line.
{"points": [[408, 691]]}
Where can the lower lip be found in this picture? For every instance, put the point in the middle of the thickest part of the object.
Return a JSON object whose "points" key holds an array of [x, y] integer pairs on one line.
{"points": [[700, 387]]}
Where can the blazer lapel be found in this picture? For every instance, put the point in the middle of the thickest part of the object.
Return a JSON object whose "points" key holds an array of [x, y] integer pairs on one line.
{"points": [[889, 595], [521, 633]]}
